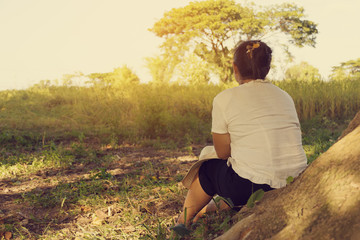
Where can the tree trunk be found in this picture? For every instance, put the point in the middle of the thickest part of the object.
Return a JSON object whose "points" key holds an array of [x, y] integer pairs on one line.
{"points": [[322, 203]]}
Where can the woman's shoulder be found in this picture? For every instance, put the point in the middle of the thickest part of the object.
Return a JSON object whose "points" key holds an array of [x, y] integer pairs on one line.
{"points": [[225, 94]]}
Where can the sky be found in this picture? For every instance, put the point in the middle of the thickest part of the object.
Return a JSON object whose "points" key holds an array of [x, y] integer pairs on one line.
{"points": [[45, 39]]}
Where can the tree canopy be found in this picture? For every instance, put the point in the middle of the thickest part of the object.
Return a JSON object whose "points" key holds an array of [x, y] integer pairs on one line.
{"points": [[116, 78], [210, 29], [348, 70], [303, 72]]}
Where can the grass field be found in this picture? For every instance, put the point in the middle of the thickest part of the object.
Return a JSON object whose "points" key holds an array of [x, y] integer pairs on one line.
{"points": [[92, 163]]}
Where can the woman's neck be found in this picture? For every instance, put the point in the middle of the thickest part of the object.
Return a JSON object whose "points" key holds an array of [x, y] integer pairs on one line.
{"points": [[245, 81]]}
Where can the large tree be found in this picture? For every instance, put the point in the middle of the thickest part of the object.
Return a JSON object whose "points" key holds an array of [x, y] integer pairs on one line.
{"points": [[211, 29]]}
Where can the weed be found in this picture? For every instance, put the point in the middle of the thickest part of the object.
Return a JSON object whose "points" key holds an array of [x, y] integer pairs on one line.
{"points": [[103, 174], [289, 180], [256, 196], [212, 225], [159, 233]]}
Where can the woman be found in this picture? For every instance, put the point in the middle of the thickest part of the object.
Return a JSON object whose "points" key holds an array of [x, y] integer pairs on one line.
{"points": [[256, 135]]}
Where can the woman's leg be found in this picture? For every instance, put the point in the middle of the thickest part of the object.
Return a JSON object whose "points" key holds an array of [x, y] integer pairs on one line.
{"points": [[211, 207], [195, 200]]}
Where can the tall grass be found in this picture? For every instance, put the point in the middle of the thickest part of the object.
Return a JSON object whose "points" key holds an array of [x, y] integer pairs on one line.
{"points": [[129, 112], [334, 100], [148, 111]]}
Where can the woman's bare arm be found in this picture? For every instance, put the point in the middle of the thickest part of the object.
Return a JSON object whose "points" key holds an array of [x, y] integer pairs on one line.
{"points": [[222, 145]]}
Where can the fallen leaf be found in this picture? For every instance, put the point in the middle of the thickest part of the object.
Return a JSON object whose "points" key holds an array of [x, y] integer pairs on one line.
{"points": [[7, 235], [97, 221], [85, 208], [100, 214], [83, 220], [129, 229], [24, 222]]}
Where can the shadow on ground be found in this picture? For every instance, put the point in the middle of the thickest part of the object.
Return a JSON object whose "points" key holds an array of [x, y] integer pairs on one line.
{"points": [[60, 198]]}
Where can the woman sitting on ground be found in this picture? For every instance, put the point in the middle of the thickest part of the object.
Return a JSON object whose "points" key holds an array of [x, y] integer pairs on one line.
{"points": [[256, 135]]}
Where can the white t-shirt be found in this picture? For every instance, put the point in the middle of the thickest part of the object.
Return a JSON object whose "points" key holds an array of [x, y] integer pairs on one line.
{"points": [[266, 145]]}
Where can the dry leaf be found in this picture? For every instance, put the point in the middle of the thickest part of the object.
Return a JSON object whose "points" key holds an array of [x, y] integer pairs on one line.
{"points": [[100, 214], [83, 220], [85, 208], [7, 235], [97, 221], [128, 229], [24, 222]]}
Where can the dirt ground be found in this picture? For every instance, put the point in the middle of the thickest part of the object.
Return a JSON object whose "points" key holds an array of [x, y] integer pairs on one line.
{"points": [[36, 221]]}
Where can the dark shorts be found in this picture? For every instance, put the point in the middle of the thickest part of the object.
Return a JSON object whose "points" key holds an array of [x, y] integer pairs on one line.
{"points": [[217, 178]]}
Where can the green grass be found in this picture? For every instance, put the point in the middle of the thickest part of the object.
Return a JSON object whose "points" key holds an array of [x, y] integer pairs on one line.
{"points": [[68, 153], [144, 199], [319, 134]]}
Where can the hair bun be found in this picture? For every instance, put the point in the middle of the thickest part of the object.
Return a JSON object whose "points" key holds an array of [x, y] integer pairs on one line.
{"points": [[250, 48]]}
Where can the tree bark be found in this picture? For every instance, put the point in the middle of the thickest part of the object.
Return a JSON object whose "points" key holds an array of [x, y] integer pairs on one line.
{"points": [[322, 203]]}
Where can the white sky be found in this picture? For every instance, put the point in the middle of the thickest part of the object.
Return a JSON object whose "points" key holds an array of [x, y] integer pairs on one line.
{"points": [[44, 39]]}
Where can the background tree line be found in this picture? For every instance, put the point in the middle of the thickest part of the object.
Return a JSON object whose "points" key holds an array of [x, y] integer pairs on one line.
{"points": [[199, 40]]}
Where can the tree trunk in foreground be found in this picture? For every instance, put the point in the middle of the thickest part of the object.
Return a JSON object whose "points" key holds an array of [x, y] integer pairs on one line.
{"points": [[322, 203]]}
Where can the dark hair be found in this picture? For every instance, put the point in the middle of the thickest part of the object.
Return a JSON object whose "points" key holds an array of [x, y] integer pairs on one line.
{"points": [[253, 59]]}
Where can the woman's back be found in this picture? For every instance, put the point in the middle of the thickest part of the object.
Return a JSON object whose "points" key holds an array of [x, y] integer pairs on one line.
{"points": [[264, 129]]}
